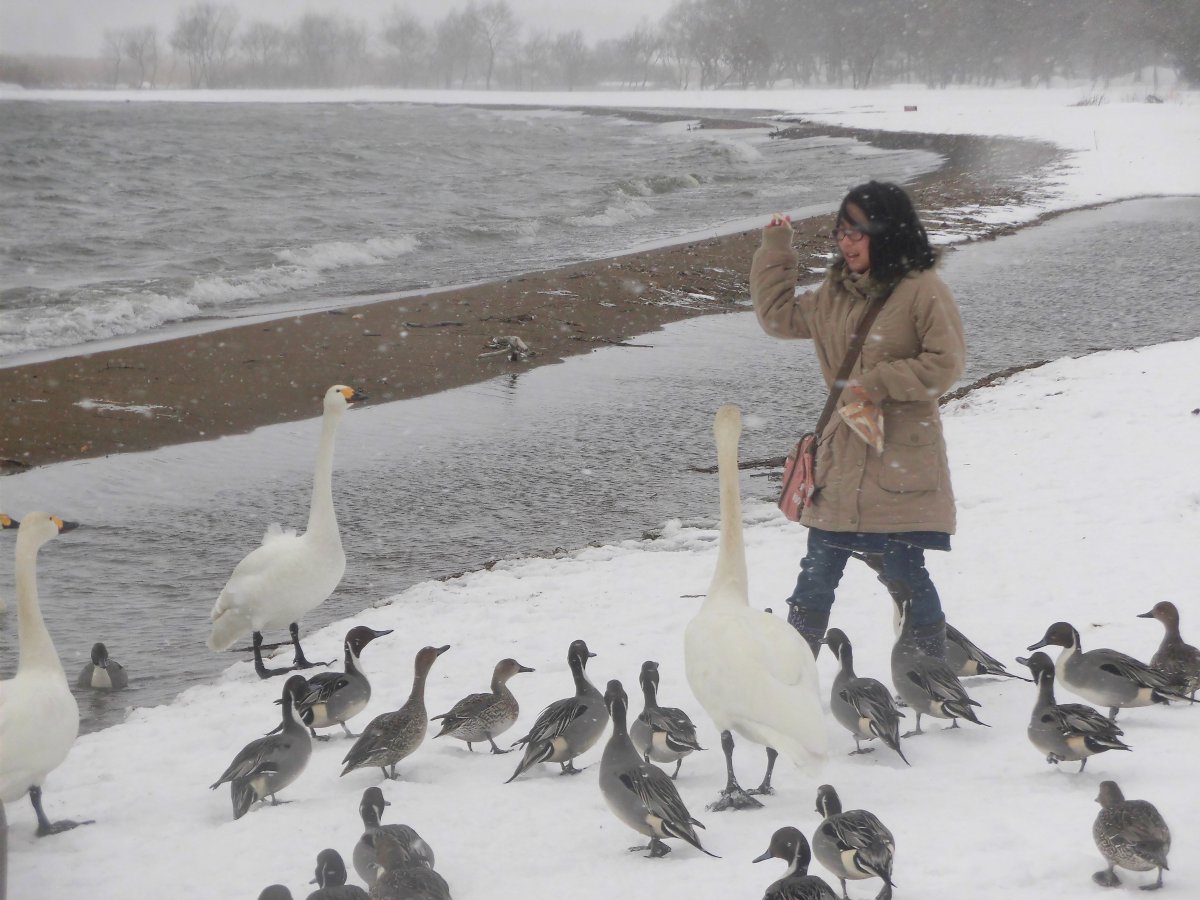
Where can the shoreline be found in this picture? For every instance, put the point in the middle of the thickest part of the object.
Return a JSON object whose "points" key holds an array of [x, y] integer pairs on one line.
{"points": [[235, 379]]}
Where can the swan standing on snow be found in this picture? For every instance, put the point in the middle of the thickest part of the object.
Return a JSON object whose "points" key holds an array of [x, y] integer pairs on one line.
{"points": [[39, 718], [290, 574], [751, 671]]}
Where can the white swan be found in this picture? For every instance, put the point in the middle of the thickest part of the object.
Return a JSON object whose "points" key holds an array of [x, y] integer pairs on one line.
{"points": [[290, 574], [39, 718], [750, 670]]}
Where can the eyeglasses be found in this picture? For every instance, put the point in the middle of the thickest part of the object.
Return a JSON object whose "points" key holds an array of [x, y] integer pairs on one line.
{"points": [[853, 235]]}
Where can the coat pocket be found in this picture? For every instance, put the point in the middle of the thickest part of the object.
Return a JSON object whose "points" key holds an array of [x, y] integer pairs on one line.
{"points": [[911, 461]]}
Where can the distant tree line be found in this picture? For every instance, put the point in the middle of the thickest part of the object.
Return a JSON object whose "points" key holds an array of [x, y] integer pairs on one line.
{"points": [[705, 44]]}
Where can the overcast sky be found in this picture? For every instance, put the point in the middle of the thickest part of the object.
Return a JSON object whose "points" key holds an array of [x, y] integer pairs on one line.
{"points": [[76, 27]]}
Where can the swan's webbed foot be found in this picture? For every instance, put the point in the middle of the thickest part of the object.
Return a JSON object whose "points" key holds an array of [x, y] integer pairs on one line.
{"points": [[300, 661], [733, 798], [259, 668], [45, 826], [765, 788]]}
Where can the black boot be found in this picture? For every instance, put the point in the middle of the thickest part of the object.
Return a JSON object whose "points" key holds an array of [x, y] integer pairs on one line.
{"points": [[811, 623], [931, 639]]}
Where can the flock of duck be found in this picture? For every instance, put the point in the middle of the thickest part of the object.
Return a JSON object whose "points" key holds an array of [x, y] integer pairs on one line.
{"points": [[751, 672]]}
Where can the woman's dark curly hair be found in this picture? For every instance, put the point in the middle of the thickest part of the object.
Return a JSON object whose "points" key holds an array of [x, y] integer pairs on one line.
{"points": [[899, 243]]}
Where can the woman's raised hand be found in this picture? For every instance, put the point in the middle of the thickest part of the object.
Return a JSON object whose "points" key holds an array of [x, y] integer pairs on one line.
{"points": [[779, 219]]}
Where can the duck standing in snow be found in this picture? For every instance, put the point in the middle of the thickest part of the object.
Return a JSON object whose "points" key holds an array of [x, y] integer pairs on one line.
{"points": [[662, 734], [1066, 732], [371, 810], [569, 727], [790, 845], [1175, 658], [290, 574], [268, 764], [751, 671], [639, 793], [862, 706], [1107, 677], [392, 736], [480, 717], [103, 673], [39, 718], [331, 879], [853, 844], [335, 697], [1130, 834]]}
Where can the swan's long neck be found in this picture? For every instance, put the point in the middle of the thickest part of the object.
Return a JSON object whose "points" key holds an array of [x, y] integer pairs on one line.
{"points": [[37, 649], [729, 581], [321, 516]]}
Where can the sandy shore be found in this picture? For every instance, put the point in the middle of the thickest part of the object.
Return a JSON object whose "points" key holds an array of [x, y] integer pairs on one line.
{"points": [[234, 380]]}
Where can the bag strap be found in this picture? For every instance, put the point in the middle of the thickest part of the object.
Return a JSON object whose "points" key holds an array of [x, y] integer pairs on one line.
{"points": [[857, 339]]}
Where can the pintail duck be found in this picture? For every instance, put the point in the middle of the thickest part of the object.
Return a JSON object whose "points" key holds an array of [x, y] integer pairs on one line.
{"points": [[401, 878], [365, 862], [569, 727], [331, 879], [663, 734], [790, 845], [862, 706], [268, 764], [1066, 732], [41, 718], [751, 671], [480, 717], [853, 844], [103, 673], [392, 736], [639, 793], [1176, 659], [1130, 834], [335, 697], [1106, 677], [290, 574], [928, 685]]}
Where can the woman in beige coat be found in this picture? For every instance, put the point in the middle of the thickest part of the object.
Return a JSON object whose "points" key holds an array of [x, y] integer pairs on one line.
{"points": [[895, 504]]}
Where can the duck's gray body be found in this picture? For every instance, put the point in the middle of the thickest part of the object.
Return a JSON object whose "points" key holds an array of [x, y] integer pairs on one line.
{"points": [[392, 736], [269, 764], [481, 717], [663, 734], [1066, 732], [335, 697], [639, 793], [1175, 658], [929, 686], [331, 876], [863, 706], [790, 845], [1106, 677], [853, 844], [967, 659], [401, 877], [365, 859], [1130, 834], [103, 673], [566, 728]]}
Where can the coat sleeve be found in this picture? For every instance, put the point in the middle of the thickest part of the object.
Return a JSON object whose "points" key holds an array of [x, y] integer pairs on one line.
{"points": [[942, 356], [773, 285]]}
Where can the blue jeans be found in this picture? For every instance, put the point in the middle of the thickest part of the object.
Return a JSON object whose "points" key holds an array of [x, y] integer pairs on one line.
{"points": [[903, 563]]}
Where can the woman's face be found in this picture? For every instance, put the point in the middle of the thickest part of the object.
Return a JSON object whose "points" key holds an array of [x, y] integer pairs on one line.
{"points": [[852, 241]]}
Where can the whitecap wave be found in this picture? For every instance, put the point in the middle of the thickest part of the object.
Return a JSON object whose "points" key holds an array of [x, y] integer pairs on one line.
{"points": [[625, 209], [341, 254]]}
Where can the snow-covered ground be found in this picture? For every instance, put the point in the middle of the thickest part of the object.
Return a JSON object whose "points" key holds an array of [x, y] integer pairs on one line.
{"points": [[1078, 501]]}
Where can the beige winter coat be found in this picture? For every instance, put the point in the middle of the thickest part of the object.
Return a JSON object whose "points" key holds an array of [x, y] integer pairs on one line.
{"points": [[914, 353]]}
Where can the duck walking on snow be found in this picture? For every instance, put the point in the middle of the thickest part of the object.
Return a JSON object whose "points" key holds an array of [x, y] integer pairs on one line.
{"points": [[853, 844], [1104, 676], [480, 717], [365, 862], [392, 736], [862, 706], [331, 879], [1130, 834], [662, 734], [103, 673], [269, 764], [39, 718], [751, 671], [290, 574], [790, 845], [335, 697], [569, 727], [639, 793], [1174, 657], [1066, 732]]}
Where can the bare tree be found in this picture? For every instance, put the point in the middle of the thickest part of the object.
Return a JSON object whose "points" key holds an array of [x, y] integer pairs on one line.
{"points": [[204, 36], [456, 42], [497, 29], [409, 38], [113, 51], [266, 49], [141, 46], [570, 56]]}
